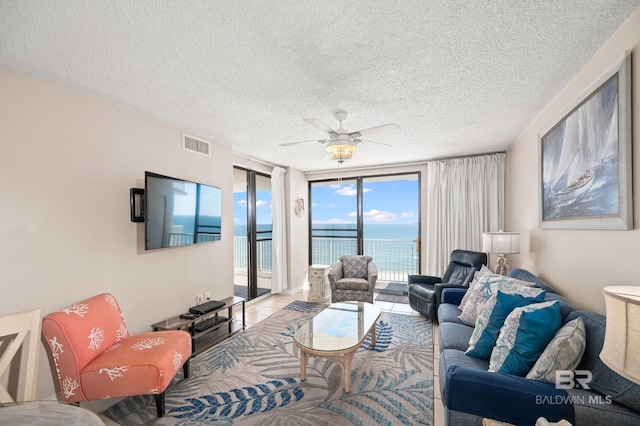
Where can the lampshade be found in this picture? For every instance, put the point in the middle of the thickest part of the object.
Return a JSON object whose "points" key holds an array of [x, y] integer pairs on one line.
{"points": [[621, 349], [340, 152], [501, 242]]}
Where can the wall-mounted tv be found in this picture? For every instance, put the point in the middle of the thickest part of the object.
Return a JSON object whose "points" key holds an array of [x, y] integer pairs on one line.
{"points": [[178, 212]]}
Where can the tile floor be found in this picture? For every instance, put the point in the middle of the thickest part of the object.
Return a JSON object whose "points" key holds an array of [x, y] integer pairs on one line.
{"points": [[259, 309]]}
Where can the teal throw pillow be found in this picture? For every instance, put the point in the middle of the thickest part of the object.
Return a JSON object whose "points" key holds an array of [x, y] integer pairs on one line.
{"points": [[492, 317], [525, 334], [564, 352]]}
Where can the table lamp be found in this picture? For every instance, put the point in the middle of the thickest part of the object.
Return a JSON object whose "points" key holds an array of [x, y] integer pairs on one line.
{"points": [[501, 243], [621, 349]]}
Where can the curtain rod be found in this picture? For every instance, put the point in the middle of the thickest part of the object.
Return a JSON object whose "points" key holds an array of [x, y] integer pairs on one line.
{"points": [[387, 166], [256, 161]]}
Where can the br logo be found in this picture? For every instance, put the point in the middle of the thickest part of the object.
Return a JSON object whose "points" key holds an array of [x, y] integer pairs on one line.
{"points": [[569, 379]]}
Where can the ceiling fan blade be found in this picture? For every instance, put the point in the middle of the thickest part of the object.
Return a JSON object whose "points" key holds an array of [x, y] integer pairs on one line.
{"points": [[379, 143], [319, 125], [385, 129], [303, 142]]}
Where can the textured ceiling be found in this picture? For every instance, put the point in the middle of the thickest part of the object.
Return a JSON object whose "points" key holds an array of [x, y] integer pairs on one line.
{"points": [[458, 77]]}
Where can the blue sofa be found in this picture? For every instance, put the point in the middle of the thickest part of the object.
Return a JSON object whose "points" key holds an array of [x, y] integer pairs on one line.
{"points": [[470, 392]]}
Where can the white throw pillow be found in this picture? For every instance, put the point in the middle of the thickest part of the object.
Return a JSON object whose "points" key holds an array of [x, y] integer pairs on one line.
{"points": [[487, 287], [483, 273]]}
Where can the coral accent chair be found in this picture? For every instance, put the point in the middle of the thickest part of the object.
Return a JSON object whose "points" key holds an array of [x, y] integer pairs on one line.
{"points": [[353, 278], [97, 358]]}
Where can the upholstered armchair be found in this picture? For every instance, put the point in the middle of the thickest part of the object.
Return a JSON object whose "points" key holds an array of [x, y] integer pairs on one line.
{"points": [[97, 358], [353, 278], [425, 291]]}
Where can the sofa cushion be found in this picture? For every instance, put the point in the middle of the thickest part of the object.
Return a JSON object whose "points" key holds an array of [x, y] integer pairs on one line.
{"points": [[524, 275], [356, 284], [524, 335], [355, 266], [454, 336], [564, 352], [448, 313], [491, 319], [604, 380], [483, 290]]}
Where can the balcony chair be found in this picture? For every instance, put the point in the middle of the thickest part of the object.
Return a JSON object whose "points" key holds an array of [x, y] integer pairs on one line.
{"points": [[97, 358], [353, 278], [16, 330], [425, 291]]}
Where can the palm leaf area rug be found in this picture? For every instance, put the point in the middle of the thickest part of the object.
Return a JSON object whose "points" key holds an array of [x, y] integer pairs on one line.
{"points": [[253, 378]]}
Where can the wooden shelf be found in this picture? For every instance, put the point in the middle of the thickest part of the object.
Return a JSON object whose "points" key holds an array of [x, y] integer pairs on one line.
{"points": [[202, 340]]}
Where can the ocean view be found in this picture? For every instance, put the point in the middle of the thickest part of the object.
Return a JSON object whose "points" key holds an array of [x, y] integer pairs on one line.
{"points": [[391, 245]]}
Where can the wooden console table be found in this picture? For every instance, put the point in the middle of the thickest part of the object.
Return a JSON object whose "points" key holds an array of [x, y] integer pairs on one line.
{"points": [[221, 327]]}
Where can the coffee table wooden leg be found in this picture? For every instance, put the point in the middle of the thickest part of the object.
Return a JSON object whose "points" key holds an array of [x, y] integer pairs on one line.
{"points": [[347, 371], [373, 334], [303, 365]]}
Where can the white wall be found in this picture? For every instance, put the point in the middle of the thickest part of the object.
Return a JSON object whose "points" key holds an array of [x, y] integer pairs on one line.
{"points": [[298, 230], [67, 162], [578, 263]]}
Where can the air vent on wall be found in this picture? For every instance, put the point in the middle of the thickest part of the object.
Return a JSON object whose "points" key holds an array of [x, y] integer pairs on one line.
{"points": [[199, 146]]}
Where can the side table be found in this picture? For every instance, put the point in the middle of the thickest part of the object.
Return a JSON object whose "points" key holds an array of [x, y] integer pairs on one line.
{"points": [[319, 284]]}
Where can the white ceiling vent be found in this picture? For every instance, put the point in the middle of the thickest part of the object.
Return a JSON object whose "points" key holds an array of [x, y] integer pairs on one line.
{"points": [[189, 143]]}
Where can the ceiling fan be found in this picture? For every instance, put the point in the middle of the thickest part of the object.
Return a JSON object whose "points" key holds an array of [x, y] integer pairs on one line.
{"points": [[341, 143]]}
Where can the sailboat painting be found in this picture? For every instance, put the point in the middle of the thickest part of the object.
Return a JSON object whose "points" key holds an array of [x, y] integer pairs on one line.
{"points": [[581, 160]]}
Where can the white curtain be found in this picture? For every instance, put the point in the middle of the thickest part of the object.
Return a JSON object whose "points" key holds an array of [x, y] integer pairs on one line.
{"points": [[465, 197], [279, 240]]}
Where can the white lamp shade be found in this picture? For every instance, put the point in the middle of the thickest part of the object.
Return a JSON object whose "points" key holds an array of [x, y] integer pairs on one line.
{"points": [[621, 349], [501, 242]]}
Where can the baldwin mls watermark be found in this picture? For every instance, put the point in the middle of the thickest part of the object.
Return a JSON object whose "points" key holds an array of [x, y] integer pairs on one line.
{"points": [[570, 379]]}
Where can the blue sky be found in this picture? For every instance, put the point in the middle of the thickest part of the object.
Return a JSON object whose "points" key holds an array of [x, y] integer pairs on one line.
{"points": [[390, 201], [385, 202]]}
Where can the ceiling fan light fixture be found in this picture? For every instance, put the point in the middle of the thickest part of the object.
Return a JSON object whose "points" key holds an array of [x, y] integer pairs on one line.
{"points": [[341, 152]]}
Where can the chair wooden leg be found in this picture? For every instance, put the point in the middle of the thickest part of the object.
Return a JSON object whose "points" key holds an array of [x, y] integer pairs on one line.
{"points": [[160, 404], [185, 369]]}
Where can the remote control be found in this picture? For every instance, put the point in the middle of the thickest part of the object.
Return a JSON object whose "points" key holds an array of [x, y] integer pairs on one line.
{"points": [[188, 316]]}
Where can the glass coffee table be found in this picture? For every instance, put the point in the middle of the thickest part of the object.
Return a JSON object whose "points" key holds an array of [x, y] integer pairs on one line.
{"points": [[336, 333]]}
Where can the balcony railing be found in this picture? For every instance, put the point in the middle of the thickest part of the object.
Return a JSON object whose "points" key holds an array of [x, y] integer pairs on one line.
{"points": [[395, 259]]}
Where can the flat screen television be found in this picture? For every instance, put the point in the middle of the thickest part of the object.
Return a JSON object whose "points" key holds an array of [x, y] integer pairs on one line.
{"points": [[179, 212]]}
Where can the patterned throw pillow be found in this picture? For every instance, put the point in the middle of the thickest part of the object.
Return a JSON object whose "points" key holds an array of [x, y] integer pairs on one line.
{"points": [[485, 288], [564, 352], [492, 317], [524, 335], [355, 266], [483, 273]]}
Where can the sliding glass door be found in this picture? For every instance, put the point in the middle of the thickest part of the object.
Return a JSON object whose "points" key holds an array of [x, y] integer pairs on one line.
{"points": [[252, 233], [377, 216]]}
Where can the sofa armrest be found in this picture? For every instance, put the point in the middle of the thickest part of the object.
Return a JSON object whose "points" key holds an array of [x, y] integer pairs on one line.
{"points": [[439, 288], [335, 273], [484, 394], [453, 295], [423, 279]]}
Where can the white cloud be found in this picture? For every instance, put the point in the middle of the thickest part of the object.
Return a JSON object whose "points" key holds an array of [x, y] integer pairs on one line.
{"points": [[374, 215], [331, 221], [242, 202], [261, 203], [349, 190], [406, 214]]}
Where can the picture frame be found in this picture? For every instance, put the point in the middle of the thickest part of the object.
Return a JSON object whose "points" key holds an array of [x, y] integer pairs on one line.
{"points": [[585, 161]]}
